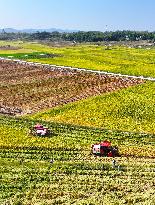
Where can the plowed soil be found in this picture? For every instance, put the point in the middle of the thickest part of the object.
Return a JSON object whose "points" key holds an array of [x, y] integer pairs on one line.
{"points": [[28, 89], [8, 47]]}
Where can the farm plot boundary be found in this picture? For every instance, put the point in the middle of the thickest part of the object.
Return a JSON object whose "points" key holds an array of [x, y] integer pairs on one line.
{"points": [[50, 66]]}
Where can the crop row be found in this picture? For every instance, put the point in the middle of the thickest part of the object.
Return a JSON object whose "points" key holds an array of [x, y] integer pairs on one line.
{"points": [[32, 181], [28, 176], [72, 140]]}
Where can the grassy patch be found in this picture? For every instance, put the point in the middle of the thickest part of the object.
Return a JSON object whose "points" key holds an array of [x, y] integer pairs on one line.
{"points": [[26, 56]]}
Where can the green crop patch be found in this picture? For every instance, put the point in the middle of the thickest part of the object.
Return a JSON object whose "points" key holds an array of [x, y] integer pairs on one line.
{"points": [[26, 56]]}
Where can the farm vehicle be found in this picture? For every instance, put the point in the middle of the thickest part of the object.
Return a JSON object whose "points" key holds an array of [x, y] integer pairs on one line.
{"points": [[105, 149], [40, 130]]}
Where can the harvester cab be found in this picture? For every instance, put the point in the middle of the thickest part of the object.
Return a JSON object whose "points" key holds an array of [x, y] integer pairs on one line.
{"points": [[40, 130], [104, 149]]}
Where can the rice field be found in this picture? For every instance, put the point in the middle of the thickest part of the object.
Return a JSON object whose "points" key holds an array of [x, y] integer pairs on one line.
{"points": [[75, 176], [80, 109], [129, 109], [119, 59], [29, 88]]}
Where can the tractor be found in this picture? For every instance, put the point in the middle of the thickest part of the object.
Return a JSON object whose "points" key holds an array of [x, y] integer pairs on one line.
{"points": [[105, 149], [40, 130]]}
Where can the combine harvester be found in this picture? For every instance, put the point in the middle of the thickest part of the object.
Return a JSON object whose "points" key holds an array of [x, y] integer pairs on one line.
{"points": [[105, 149], [40, 130]]}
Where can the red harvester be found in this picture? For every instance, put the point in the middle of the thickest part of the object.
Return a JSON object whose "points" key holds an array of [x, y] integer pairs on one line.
{"points": [[105, 149], [40, 130]]}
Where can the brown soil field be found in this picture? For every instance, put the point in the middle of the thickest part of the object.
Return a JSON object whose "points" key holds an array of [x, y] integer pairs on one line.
{"points": [[8, 47], [28, 88]]}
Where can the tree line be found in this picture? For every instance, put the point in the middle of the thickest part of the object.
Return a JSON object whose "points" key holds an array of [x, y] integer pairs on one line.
{"points": [[82, 36]]}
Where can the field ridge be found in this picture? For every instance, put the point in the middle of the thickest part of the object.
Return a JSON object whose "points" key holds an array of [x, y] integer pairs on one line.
{"points": [[50, 66]]}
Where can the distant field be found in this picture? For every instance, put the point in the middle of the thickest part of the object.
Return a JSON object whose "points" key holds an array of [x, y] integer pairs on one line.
{"points": [[27, 177], [15, 47], [132, 61], [131, 109]]}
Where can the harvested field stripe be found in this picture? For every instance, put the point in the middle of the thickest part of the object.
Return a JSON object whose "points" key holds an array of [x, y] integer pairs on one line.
{"points": [[32, 87]]}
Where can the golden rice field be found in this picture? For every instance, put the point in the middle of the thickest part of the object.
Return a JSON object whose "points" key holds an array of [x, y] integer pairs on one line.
{"points": [[119, 59], [80, 109]]}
